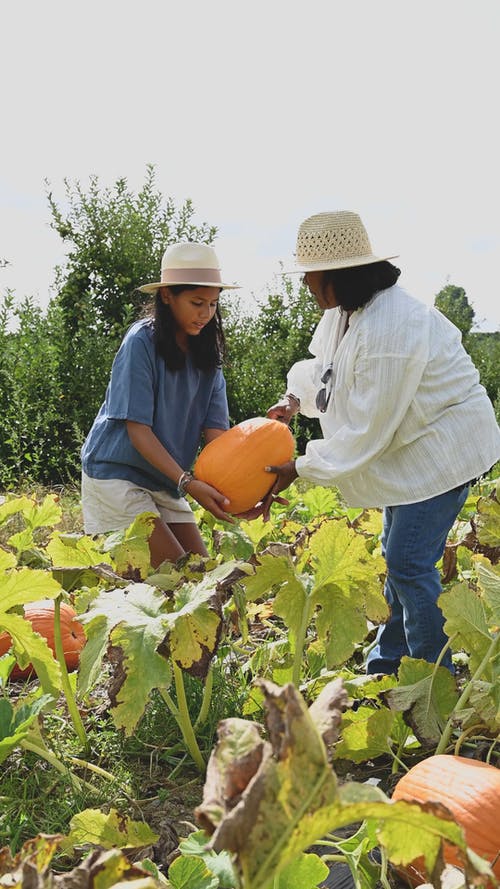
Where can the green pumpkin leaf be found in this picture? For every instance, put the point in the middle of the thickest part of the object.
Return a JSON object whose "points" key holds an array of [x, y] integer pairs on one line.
{"points": [[466, 621], [46, 514], [73, 551], [133, 621], [15, 722], [307, 871], [426, 695], [31, 648], [14, 506], [188, 873], [130, 548], [23, 585], [92, 826], [366, 734], [7, 560], [489, 581], [488, 522]]}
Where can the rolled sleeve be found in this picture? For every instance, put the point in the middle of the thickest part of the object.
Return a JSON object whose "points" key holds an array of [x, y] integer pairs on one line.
{"points": [[217, 416], [130, 393]]}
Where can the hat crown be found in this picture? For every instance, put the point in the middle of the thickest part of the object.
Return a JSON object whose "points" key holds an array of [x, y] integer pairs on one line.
{"points": [[190, 255], [332, 237]]}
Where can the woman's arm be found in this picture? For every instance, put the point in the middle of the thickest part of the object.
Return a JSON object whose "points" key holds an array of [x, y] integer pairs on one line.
{"points": [[149, 446]]}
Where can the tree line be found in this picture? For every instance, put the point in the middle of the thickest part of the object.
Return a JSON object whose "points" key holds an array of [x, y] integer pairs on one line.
{"points": [[55, 362]]}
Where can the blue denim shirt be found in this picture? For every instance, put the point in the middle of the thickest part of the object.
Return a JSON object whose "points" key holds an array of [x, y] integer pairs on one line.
{"points": [[177, 405]]}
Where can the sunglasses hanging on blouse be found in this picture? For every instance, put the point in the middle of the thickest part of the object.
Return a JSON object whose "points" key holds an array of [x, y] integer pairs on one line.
{"points": [[323, 395]]}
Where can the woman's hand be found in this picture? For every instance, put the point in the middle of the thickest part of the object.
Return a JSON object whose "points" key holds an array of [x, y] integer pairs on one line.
{"points": [[210, 498], [284, 409], [262, 508], [286, 474]]}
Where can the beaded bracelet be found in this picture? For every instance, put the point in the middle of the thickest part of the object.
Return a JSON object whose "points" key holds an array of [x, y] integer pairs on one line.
{"points": [[184, 480]]}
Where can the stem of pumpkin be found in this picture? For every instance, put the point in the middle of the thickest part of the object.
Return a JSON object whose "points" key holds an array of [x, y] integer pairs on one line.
{"points": [[464, 697], [207, 698], [182, 718], [300, 642], [66, 684], [97, 771], [56, 764]]}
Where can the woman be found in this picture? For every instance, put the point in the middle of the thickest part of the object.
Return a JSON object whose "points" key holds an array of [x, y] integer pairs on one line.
{"points": [[406, 424], [166, 393]]}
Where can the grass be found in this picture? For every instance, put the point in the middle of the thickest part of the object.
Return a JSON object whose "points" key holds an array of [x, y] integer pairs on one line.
{"points": [[149, 767]]}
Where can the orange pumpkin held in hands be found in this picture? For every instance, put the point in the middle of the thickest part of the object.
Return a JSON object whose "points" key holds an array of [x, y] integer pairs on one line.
{"points": [[470, 789], [41, 617], [235, 461]]}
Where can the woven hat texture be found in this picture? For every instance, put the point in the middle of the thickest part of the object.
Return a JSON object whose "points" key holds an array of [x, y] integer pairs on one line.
{"points": [[333, 241]]}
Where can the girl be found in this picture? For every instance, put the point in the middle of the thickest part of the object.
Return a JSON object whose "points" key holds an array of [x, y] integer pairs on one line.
{"points": [[166, 392], [406, 423]]}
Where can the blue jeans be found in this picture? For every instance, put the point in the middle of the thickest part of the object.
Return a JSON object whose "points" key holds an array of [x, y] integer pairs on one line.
{"points": [[413, 540]]}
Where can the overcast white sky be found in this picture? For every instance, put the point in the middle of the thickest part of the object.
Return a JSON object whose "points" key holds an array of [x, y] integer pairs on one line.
{"points": [[262, 113]]}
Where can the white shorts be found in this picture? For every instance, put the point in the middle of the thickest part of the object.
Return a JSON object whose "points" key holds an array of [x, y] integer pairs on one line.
{"points": [[113, 504]]}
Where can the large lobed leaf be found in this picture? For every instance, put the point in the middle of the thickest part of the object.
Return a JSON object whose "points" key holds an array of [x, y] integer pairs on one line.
{"points": [[19, 587], [267, 801], [108, 829], [347, 588], [466, 621], [131, 620], [136, 626], [426, 695]]}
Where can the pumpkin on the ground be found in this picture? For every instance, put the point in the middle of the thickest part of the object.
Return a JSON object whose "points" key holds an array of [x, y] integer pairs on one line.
{"points": [[235, 461], [470, 789], [41, 617]]}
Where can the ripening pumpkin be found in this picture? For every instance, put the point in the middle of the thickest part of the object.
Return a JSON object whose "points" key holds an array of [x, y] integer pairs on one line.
{"points": [[470, 789], [41, 617], [234, 461]]}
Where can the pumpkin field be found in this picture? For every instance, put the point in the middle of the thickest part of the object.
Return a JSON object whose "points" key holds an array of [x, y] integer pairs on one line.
{"points": [[209, 724]]}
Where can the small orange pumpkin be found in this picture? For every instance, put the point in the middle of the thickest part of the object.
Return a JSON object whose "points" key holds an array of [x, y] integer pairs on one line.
{"points": [[234, 461], [41, 617], [470, 789]]}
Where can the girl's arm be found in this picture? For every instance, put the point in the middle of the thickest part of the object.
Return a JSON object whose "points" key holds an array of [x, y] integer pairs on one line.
{"points": [[210, 434], [149, 446]]}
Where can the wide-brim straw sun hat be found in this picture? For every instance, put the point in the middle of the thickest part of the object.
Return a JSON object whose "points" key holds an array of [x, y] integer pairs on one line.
{"points": [[189, 262], [335, 240]]}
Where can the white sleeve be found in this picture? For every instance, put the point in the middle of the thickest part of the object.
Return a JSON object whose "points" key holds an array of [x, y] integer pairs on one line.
{"points": [[304, 377], [303, 381], [383, 389]]}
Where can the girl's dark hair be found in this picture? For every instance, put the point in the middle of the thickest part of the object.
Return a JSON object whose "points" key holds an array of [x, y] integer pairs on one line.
{"points": [[355, 286], [207, 349]]}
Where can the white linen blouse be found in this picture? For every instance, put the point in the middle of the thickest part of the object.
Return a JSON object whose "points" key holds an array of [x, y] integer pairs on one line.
{"points": [[407, 418]]}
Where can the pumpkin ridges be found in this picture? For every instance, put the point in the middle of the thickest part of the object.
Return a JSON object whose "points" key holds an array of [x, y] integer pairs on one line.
{"points": [[234, 461], [470, 789]]}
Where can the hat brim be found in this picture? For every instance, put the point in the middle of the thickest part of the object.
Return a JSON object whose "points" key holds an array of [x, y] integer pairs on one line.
{"points": [[325, 266], [151, 288]]}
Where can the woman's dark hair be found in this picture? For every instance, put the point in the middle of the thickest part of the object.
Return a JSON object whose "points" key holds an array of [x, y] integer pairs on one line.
{"points": [[355, 286], [207, 349]]}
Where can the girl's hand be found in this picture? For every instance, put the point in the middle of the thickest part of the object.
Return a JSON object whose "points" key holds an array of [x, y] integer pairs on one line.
{"points": [[284, 409], [210, 498]]}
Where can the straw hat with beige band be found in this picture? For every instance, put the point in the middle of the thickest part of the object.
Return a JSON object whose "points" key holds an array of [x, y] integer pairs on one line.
{"points": [[333, 241], [189, 263]]}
